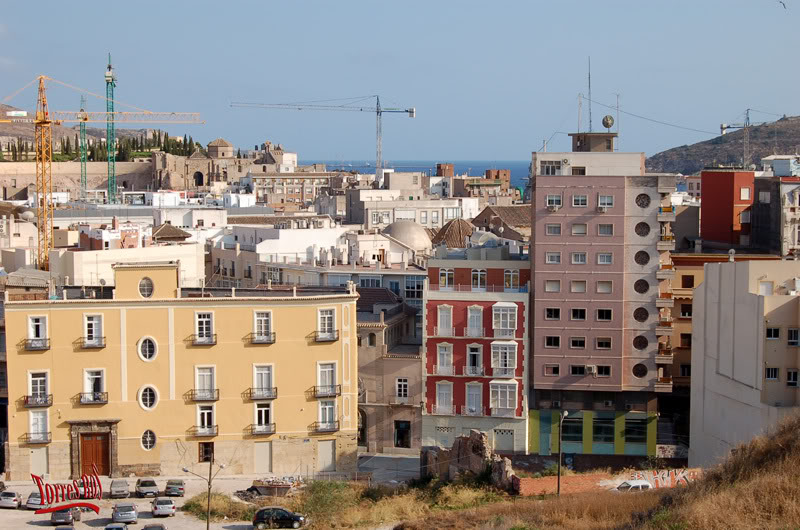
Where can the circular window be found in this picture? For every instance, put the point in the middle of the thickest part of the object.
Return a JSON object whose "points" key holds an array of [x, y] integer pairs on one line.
{"points": [[148, 397], [148, 439], [641, 314], [147, 349], [639, 370], [146, 287], [643, 200], [640, 342], [642, 257], [642, 229], [641, 286]]}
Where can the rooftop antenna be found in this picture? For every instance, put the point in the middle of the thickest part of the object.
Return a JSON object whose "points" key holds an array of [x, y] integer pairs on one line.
{"points": [[590, 94], [617, 122], [580, 108]]}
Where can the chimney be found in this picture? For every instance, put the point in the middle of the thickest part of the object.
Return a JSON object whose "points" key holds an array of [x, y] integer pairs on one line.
{"points": [[114, 223]]}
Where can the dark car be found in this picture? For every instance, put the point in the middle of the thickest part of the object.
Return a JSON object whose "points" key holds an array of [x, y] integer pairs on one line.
{"points": [[277, 517], [157, 526]]}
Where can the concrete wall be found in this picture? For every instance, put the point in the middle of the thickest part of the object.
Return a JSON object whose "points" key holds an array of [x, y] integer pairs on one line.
{"points": [[67, 175]]}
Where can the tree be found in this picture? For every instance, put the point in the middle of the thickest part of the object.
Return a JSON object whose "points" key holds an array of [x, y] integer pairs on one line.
{"points": [[191, 146], [69, 147], [185, 145], [14, 152], [239, 153]]}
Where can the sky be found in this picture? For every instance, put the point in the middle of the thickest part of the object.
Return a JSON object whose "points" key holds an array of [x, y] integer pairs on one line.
{"points": [[489, 80]]}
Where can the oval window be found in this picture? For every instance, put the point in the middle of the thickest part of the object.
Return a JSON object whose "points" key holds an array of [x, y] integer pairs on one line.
{"points": [[148, 439], [146, 287]]}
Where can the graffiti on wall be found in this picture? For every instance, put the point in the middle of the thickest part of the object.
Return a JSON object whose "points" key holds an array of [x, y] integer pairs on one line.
{"points": [[667, 478], [672, 451]]}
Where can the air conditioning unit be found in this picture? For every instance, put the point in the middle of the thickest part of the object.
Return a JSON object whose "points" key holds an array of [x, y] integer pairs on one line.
{"points": [[591, 369], [565, 161], [608, 403], [555, 405], [553, 208], [628, 406], [602, 209]]}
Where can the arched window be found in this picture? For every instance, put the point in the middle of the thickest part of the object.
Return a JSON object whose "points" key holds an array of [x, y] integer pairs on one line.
{"points": [[372, 339]]}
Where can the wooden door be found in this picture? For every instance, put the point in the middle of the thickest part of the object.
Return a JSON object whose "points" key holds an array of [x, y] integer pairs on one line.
{"points": [[95, 450]]}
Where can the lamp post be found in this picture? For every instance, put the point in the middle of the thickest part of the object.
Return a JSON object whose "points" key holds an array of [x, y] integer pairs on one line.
{"points": [[560, 421], [209, 480]]}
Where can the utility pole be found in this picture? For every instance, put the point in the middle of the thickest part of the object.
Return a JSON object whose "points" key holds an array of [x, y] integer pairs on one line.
{"points": [[560, 422]]}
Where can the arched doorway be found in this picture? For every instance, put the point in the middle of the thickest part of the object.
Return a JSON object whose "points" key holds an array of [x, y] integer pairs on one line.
{"points": [[198, 178], [362, 428]]}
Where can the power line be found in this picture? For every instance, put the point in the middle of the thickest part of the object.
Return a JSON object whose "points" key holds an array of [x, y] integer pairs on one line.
{"points": [[660, 122]]}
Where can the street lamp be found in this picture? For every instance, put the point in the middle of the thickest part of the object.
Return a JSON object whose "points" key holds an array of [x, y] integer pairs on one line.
{"points": [[209, 480], [560, 421]]}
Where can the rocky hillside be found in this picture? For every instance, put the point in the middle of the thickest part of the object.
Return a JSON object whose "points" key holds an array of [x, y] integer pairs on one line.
{"points": [[782, 137]]}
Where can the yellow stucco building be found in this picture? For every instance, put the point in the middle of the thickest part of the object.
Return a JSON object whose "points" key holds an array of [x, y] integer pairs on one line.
{"points": [[148, 378]]}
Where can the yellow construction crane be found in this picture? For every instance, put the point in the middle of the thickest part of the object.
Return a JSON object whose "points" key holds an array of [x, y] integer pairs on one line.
{"points": [[43, 122]]}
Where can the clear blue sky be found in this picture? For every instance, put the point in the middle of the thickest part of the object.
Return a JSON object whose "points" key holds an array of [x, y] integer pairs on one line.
{"points": [[489, 80]]}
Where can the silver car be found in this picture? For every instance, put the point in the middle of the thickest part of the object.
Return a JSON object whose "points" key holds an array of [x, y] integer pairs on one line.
{"points": [[124, 512], [163, 506], [9, 499], [146, 487], [66, 516], [35, 501], [119, 489]]}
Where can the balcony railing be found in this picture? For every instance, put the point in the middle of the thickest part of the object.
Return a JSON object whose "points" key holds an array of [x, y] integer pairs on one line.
{"points": [[204, 430], [473, 370], [504, 413], [37, 344], [204, 340], [94, 398], [443, 410], [204, 394], [38, 438], [443, 369], [262, 338], [94, 343], [325, 426], [322, 391], [474, 332], [258, 393], [400, 400], [326, 336], [498, 371], [39, 400], [448, 331], [478, 289], [506, 333], [472, 411], [261, 429]]}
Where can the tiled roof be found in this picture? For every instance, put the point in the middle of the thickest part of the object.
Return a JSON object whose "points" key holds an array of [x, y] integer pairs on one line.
{"points": [[454, 234], [270, 219], [220, 142], [167, 231], [369, 296], [431, 232], [513, 215]]}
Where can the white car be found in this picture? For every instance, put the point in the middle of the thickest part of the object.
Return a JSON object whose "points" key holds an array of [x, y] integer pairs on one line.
{"points": [[35, 501], [633, 485], [162, 506], [9, 499]]}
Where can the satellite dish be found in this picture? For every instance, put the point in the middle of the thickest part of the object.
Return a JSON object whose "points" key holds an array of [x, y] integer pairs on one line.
{"points": [[608, 121]]}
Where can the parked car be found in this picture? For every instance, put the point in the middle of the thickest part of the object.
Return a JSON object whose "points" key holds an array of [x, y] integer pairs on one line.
{"points": [[124, 512], [633, 485], [10, 499], [65, 516], [163, 506], [174, 488], [117, 526], [277, 517], [154, 526], [146, 487], [119, 489], [35, 502]]}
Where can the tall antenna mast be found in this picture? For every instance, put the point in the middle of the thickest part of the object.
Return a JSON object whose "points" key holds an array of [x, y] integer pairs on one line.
{"points": [[580, 108], [617, 94], [590, 94]]}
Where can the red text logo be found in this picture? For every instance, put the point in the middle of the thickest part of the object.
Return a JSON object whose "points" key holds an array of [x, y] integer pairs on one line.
{"points": [[57, 497]]}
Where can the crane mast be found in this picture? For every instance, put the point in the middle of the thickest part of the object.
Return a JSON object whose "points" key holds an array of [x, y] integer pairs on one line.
{"points": [[111, 82], [82, 128], [44, 178]]}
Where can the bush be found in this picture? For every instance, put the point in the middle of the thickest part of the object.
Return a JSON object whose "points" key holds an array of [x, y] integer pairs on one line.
{"points": [[322, 498], [222, 507], [378, 492]]}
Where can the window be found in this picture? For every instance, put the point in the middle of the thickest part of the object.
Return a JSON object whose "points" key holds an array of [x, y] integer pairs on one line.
{"points": [[578, 170], [93, 385], [475, 322], [474, 399], [579, 229], [577, 286], [148, 440], [577, 370], [503, 396], [606, 201], [204, 327], [263, 324], [553, 229], [773, 333], [478, 279], [604, 315], [764, 197], [474, 360], [504, 357], [604, 286], [577, 343], [444, 358], [262, 379], [401, 387], [771, 374], [326, 378], [504, 320], [93, 329], [446, 278], [372, 340], [423, 217], [686, 340], [263, 415], [602, 343], [552, 313], [370, 281], [687, 281], [603, 430], [552, 341], [550, 167], [205, 387], [552, 286], [605, 230], [686, 310], [148, 397], [577, 314], [579, 258], [744, 194], [791, 378], [37, 328], [394, 286], [414, 286], [686, 370], [511, 279], [793, 336], [435, 217], [765, 288], [572, 429], [206, 452], [445, 321], [744, 217], [579, 200], [444, 398], [39, 387], [605, 258], [635, 431], [691, 185], [603, 370], [146, 287], [327, 413], [552, 370], [327, 323], [552, 258]]}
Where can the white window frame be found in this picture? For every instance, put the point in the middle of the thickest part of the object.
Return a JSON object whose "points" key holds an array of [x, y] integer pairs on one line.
{"points": [[447, 349], [139, 348], [210, 337], [96, 337], [791, 377], [609, 282], [599, 228], [401, 386], [744, 193], [480, 274], [502, 394], [86, 387], [777, 334], [199, 406], [450, 407], [46, 323], [141, 391], [444, 326], [326, 333], [574, 286], [39, 412], [504, 355], [572, 345], [597, 343], [597, 314], [558, 337], [478, 354], [557, 283], [552, 258], [271, 367], [256, 318], [605, 201], [213, 369], [549, 226], [558, 309], [579, 258], [601, 258], [577, 232], [335, 380], [504, 319], [449, 279], [550, 366], [472, 330], [580, 201], [553, 200], [321, 406], [472, 410], [47, 381], [572, 315], [269, 405], [793, 341], [511, 280], [769, 370]]}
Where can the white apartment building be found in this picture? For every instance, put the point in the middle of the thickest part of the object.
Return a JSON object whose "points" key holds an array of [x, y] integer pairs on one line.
{"points": [[380, 208]]}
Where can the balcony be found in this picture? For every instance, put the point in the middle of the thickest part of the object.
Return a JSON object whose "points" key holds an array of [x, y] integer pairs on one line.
{"points": [[37, 344], [503, 413], [666, 184], [474, 332], [683, 292], [443, 410], [444, 331], [38, 400], [204, 340], [37, 438], [326, 336], [261, 338], [666, 242], [473, 370], [498, 371], [325, 426], [203, 430], [665, 300], [472, 411], [665, 272], [666, 214], [400, 400], [466, 288], [94, 398], [204, 394], [664, 384], [261, 430], [504, 333], [261, 394], [93, 343], [665, 355], [664, 327], [324, 391], [439, 369]]}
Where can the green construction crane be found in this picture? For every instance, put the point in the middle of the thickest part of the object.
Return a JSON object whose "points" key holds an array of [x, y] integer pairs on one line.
{"points": [[82, 127], [111, 82]]}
